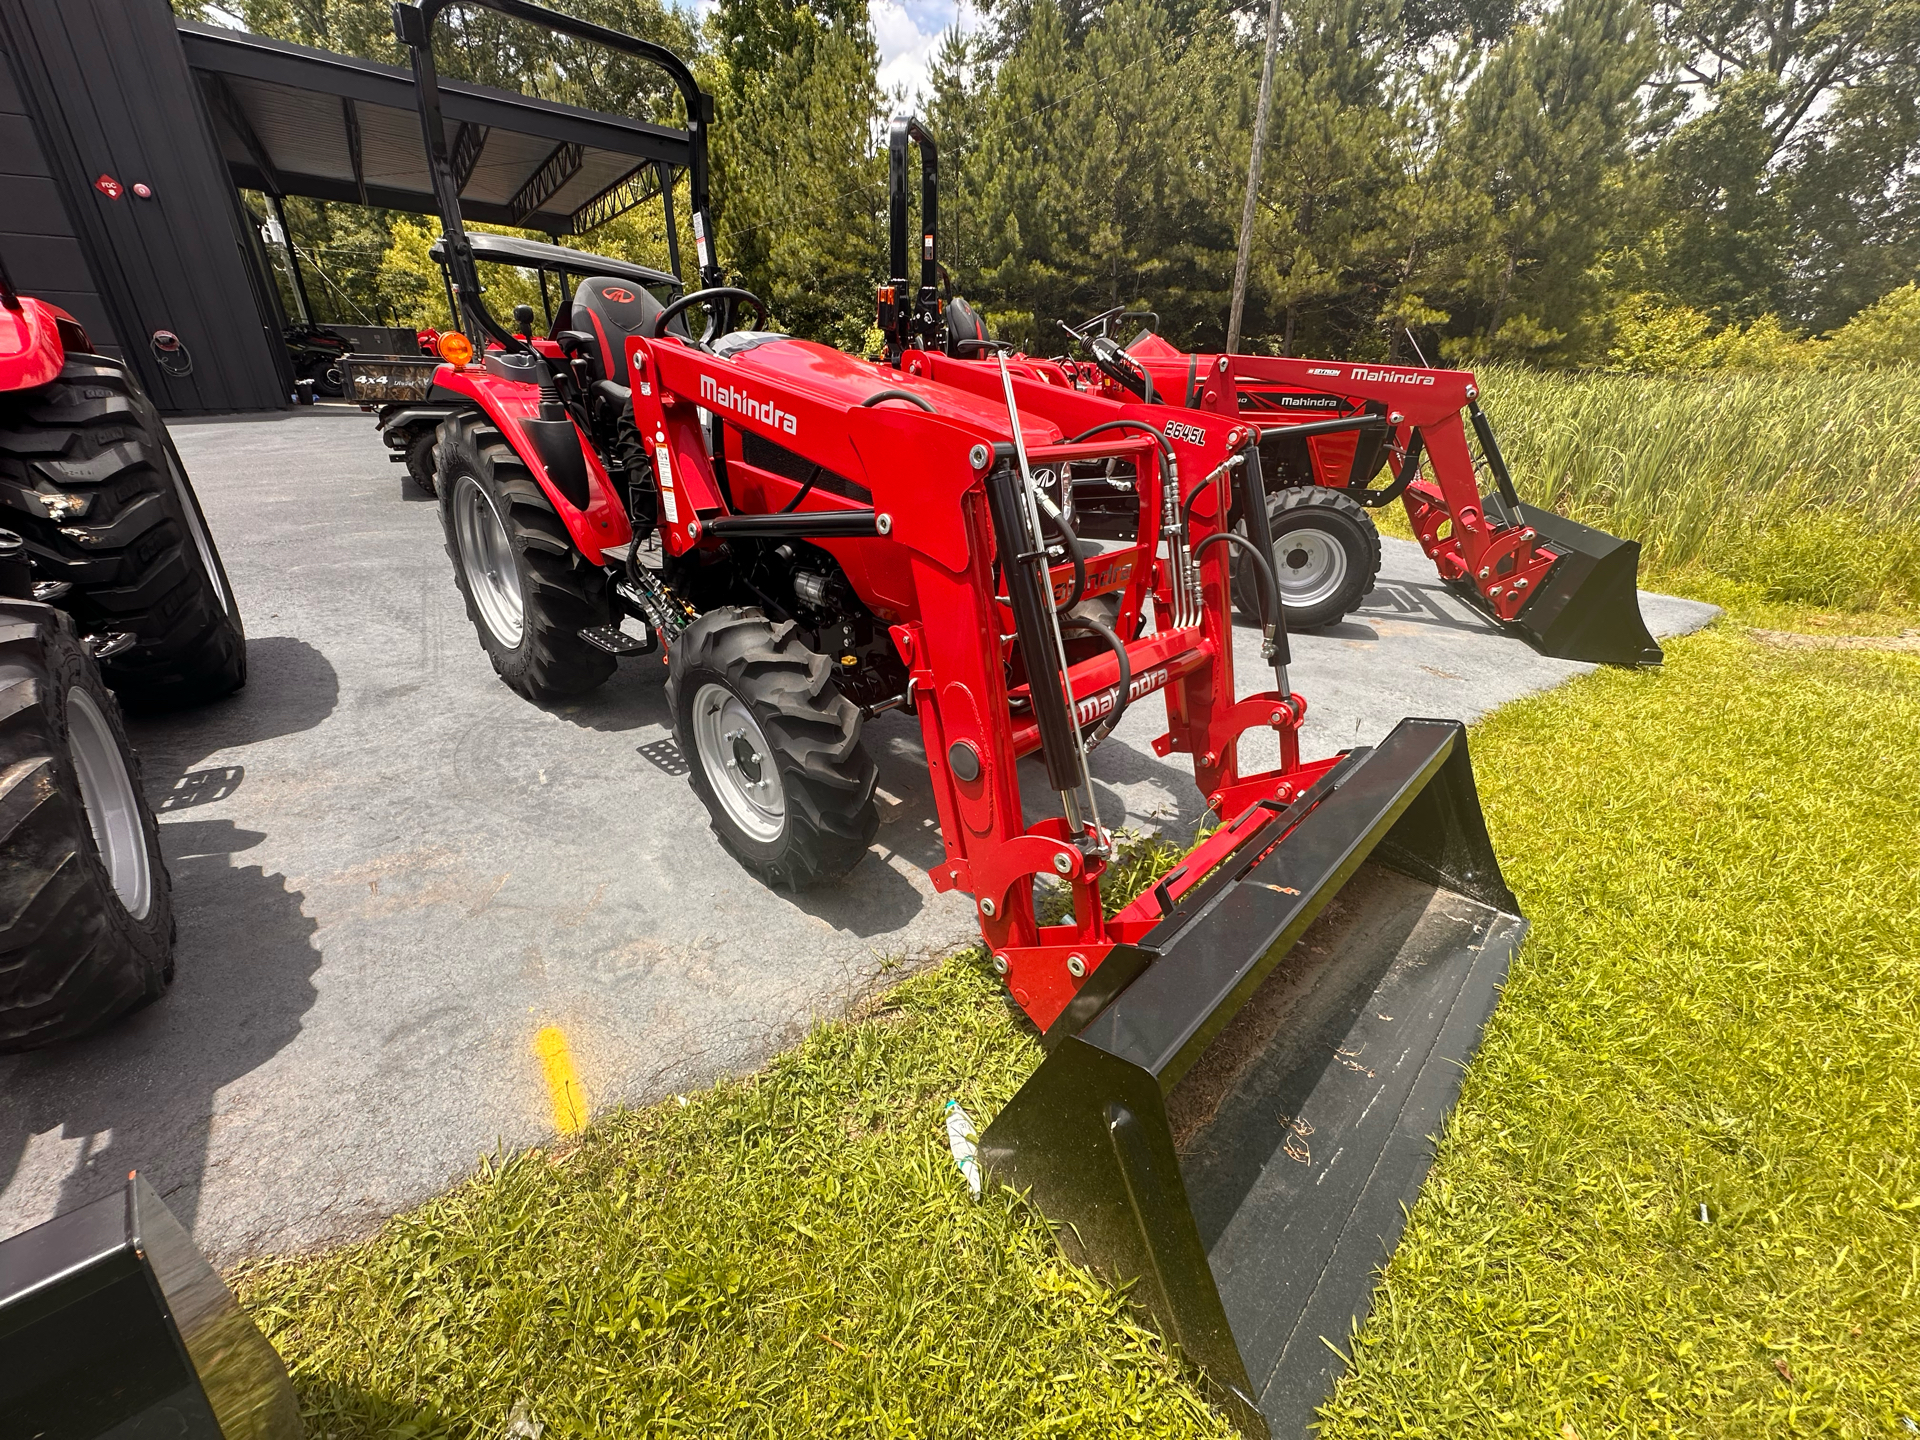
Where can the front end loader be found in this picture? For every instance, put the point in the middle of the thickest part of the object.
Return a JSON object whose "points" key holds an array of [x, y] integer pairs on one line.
{"points": [[1244, 1066], [1328, 429]]}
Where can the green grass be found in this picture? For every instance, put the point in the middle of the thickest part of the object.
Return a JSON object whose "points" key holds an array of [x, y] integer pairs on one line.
{"points": [[1803, 486], [1718, 1005]]}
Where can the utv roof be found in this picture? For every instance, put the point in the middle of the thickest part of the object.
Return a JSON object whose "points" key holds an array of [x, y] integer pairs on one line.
{"points": [[539, 255]]}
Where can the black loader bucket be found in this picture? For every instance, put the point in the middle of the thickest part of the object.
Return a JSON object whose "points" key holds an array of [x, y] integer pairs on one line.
{"points": [[1588, 606], [113, 1324], [1234, 1130]]}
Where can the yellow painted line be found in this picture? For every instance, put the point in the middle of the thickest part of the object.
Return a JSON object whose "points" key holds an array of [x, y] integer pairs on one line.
{"points": [[570, 1106]]}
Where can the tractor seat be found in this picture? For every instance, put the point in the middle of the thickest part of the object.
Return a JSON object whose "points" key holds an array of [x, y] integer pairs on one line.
{"points": [[610, 310], [964, 323]]}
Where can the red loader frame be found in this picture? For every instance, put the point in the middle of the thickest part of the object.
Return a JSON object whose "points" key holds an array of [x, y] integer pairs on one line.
{"points": [[1567, 588]]}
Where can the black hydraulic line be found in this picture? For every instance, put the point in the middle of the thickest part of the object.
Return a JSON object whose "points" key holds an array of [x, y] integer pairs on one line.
{"points": [[1166, 445], [1253, 505], [811, 525], [912, 399], [805, 490], [1409, 472], [1033, 619], [1103, 728], [1490, 447], [1263, 567], [1077, 553]]}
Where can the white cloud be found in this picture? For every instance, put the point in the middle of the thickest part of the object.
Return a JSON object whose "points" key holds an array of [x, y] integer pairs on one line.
{"points": [[908, 33]]}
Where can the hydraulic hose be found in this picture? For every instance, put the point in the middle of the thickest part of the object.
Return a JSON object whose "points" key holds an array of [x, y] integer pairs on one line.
{"points": [[1166, 445], [1263, 568], [1104, 728], [1074, 549], [906, 395]]}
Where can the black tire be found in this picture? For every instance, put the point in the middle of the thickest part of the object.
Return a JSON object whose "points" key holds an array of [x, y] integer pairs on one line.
{"points": [[825, 778], [559, 593], [137, 550], [73, 953], [420, 461], [1329, 567]]}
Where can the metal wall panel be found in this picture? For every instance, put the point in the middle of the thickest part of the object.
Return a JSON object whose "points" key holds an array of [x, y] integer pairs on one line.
{"points": [[110, 94]]}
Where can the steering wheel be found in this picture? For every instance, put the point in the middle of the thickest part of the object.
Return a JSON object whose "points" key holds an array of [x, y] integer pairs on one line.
{"points": [[719, 317], [1121, 368]]}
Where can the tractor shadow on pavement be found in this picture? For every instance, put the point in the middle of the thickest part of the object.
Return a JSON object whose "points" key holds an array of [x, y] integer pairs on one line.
{"points": [[143, 1093]]}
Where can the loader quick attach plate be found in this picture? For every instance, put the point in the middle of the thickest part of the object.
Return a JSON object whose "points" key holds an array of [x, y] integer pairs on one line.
{"points": [[1236, 1131]]}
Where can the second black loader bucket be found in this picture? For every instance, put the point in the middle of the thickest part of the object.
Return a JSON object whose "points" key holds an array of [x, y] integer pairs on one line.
{"points": [[1588, 607], [1235, 1132]]}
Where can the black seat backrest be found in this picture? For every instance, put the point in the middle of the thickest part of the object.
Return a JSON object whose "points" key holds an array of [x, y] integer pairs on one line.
{"points": [[964, 323], [610, 310]]}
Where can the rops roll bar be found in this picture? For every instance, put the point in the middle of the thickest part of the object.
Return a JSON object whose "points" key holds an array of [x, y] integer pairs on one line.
{"points": [[413, 24]]}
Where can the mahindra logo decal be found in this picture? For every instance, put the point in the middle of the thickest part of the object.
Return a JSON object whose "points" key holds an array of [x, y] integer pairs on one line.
{"points": [[1095, 706], [1390, 377], [716, 396], [617, 295]]}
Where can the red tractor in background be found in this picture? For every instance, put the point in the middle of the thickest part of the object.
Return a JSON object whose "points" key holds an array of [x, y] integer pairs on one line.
{"points": [[1327, 430], [1008, 563], [111, 594]]}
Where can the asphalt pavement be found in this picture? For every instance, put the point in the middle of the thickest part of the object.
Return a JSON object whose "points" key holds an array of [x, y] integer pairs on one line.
{"points": [[391, 872]]}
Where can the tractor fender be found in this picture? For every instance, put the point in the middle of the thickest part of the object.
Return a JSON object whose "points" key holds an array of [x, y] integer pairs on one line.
{"points": [[33, 342], [514, 407]]}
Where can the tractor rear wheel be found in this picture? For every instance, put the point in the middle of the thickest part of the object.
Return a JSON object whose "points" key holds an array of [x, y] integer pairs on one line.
{"points": [[86, 914], [772, 747], [529, 591], [104, 504], [1326, 556]]}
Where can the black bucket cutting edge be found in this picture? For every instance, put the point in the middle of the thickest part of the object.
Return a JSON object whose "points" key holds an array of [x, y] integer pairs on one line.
{"points": [[1588, 605], [1236, 1132]]}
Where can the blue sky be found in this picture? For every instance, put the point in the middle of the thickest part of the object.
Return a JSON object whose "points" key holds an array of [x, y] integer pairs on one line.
{"points": [[908, 33]]}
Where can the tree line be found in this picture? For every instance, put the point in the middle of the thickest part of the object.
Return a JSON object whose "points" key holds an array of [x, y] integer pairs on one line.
{"points": [[1556, 182]]}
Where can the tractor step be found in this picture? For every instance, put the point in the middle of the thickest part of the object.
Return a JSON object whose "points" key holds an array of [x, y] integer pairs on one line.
{"points": [[618, 642]]}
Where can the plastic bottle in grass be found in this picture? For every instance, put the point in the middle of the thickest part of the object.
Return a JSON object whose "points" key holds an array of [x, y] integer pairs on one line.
{"points": [[961, 1136]]}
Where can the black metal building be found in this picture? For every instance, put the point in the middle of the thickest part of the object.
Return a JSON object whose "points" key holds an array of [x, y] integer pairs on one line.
{"points": [[125, 137]]}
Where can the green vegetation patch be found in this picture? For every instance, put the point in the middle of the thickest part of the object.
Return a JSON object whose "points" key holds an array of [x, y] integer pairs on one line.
{"points": [[1718, 1006], [1801, 486]]}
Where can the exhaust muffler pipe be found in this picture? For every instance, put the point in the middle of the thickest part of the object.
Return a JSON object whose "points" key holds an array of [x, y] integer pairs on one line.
{"points": [[1233, 1117]]}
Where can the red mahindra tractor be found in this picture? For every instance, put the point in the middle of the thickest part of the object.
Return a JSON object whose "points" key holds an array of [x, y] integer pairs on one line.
{"points": [[111, 594], [1009, 563], [1327, 431]]}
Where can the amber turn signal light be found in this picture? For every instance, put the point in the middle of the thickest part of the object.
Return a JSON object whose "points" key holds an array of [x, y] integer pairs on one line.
{"points": [[455, 348]]}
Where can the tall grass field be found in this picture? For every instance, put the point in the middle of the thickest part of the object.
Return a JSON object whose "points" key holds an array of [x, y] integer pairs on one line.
{"points": [[1804, 486]]}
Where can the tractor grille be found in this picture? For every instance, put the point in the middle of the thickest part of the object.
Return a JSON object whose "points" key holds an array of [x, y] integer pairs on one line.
{"points": [[777, 459]]}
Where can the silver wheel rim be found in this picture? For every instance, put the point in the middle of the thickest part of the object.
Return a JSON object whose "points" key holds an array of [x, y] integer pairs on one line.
{"points": [[487, 560], [113, 810], [199, 533], [739, 763], [1311, 566]]}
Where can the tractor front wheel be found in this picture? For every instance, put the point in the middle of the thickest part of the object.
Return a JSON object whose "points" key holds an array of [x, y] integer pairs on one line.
{"points": [[529, 591], [1326, 556], [86, 917], [772, 747]]}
